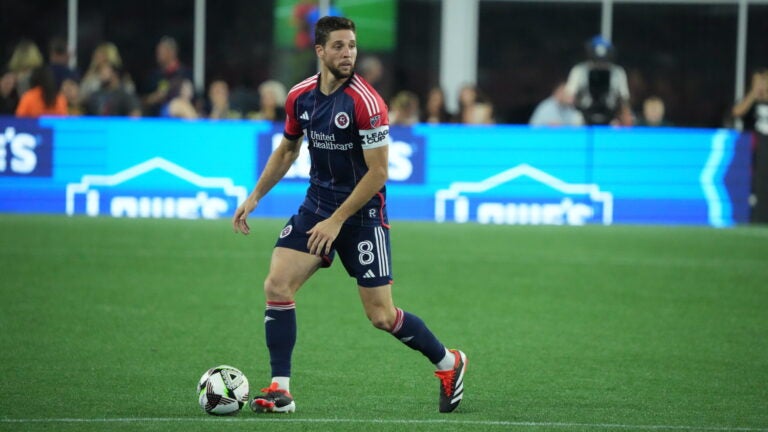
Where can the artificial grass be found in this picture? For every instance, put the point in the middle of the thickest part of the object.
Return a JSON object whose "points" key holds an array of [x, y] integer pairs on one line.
{"points": [[107, 324]]}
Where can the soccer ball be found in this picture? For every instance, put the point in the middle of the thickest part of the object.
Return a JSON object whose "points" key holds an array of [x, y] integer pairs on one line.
{"points": [[222, 390]]}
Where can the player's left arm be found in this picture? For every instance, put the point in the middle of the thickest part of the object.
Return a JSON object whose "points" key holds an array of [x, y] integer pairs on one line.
{"points": [[322, 235]]}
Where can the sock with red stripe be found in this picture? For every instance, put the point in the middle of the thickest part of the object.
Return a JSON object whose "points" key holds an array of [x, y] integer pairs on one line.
{"points": [[280, 327], [412, 331]]}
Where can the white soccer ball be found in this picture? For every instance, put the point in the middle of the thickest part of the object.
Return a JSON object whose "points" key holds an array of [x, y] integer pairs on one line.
{"points": [[222, 390]]}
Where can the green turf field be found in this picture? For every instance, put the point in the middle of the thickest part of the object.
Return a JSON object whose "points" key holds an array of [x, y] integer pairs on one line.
{"points": [[107, 324]]}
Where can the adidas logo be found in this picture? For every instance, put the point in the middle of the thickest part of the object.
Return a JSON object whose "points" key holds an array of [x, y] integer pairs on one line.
{"points": [[369, 274], [304, 116]]}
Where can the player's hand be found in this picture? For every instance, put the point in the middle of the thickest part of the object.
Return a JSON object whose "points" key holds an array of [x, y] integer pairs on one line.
{"points": [[239, 222], [322, 235]]}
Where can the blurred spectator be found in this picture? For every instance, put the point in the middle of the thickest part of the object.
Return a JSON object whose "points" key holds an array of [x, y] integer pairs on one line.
{"points": [[67, 78], [598, 85], [71, 91], [482, 112], [169, 68], [43, 98], [218, 106], [303, 39], [435, 110], [25, 58], [112, 99], [474, 107], [404, 109], [653, 113], [104, 53], [58, 60], [753, 111], [304, 17], [272, 96], [753, 108], [372, 70], [467, 98], [557, 110], [181, 95], [624, 116], [9, 98], [314, 15]]}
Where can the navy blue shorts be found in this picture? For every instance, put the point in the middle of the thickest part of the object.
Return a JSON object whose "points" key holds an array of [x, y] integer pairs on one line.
{"points": [[364, 250]]}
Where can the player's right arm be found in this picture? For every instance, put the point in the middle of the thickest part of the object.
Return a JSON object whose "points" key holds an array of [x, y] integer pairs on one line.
{"points": [[277, 165]]}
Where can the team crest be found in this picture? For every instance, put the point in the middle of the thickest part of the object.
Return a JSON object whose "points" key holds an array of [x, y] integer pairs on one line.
{"points": [[286, 231], [376, 121], [341, 120]]}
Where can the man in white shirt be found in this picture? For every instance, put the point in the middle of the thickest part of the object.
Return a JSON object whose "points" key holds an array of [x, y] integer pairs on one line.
{"points": [[598, 85]]}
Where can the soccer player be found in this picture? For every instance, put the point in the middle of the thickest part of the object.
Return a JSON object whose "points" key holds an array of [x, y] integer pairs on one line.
{"points": [[344, 212]]}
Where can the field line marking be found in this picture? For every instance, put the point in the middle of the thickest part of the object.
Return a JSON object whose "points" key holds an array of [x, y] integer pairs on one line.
{"points": [[390, 421]]}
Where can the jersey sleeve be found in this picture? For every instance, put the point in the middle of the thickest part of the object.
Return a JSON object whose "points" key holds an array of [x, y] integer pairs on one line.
{"points": [[292, 129], [371, 115]]}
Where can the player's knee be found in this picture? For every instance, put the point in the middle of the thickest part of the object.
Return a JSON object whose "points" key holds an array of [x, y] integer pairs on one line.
{"points": [[382, 320], [277, 290], [382, 324]]}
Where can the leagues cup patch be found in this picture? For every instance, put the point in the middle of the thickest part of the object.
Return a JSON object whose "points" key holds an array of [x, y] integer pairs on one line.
{"points": [[286, 231], [341, 120]]}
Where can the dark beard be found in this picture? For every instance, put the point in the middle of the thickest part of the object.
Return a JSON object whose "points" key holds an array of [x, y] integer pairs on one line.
{"points": [[338, 74]]}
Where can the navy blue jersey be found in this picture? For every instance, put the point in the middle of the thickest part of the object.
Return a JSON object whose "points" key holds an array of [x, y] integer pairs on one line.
{"points": [[339, 127]]}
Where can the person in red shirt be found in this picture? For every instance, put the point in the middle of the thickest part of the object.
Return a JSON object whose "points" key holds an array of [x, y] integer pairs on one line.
{"points": [[43, 98]]}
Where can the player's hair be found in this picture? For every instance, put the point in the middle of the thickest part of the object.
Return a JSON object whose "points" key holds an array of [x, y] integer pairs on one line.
{"points": [[327, 24]]}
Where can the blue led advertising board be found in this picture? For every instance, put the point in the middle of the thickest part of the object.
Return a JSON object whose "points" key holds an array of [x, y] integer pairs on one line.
{"points": [[165, 168]]}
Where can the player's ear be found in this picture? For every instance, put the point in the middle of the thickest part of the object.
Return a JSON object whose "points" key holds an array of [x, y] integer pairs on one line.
{"points": [[319, 50]]}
